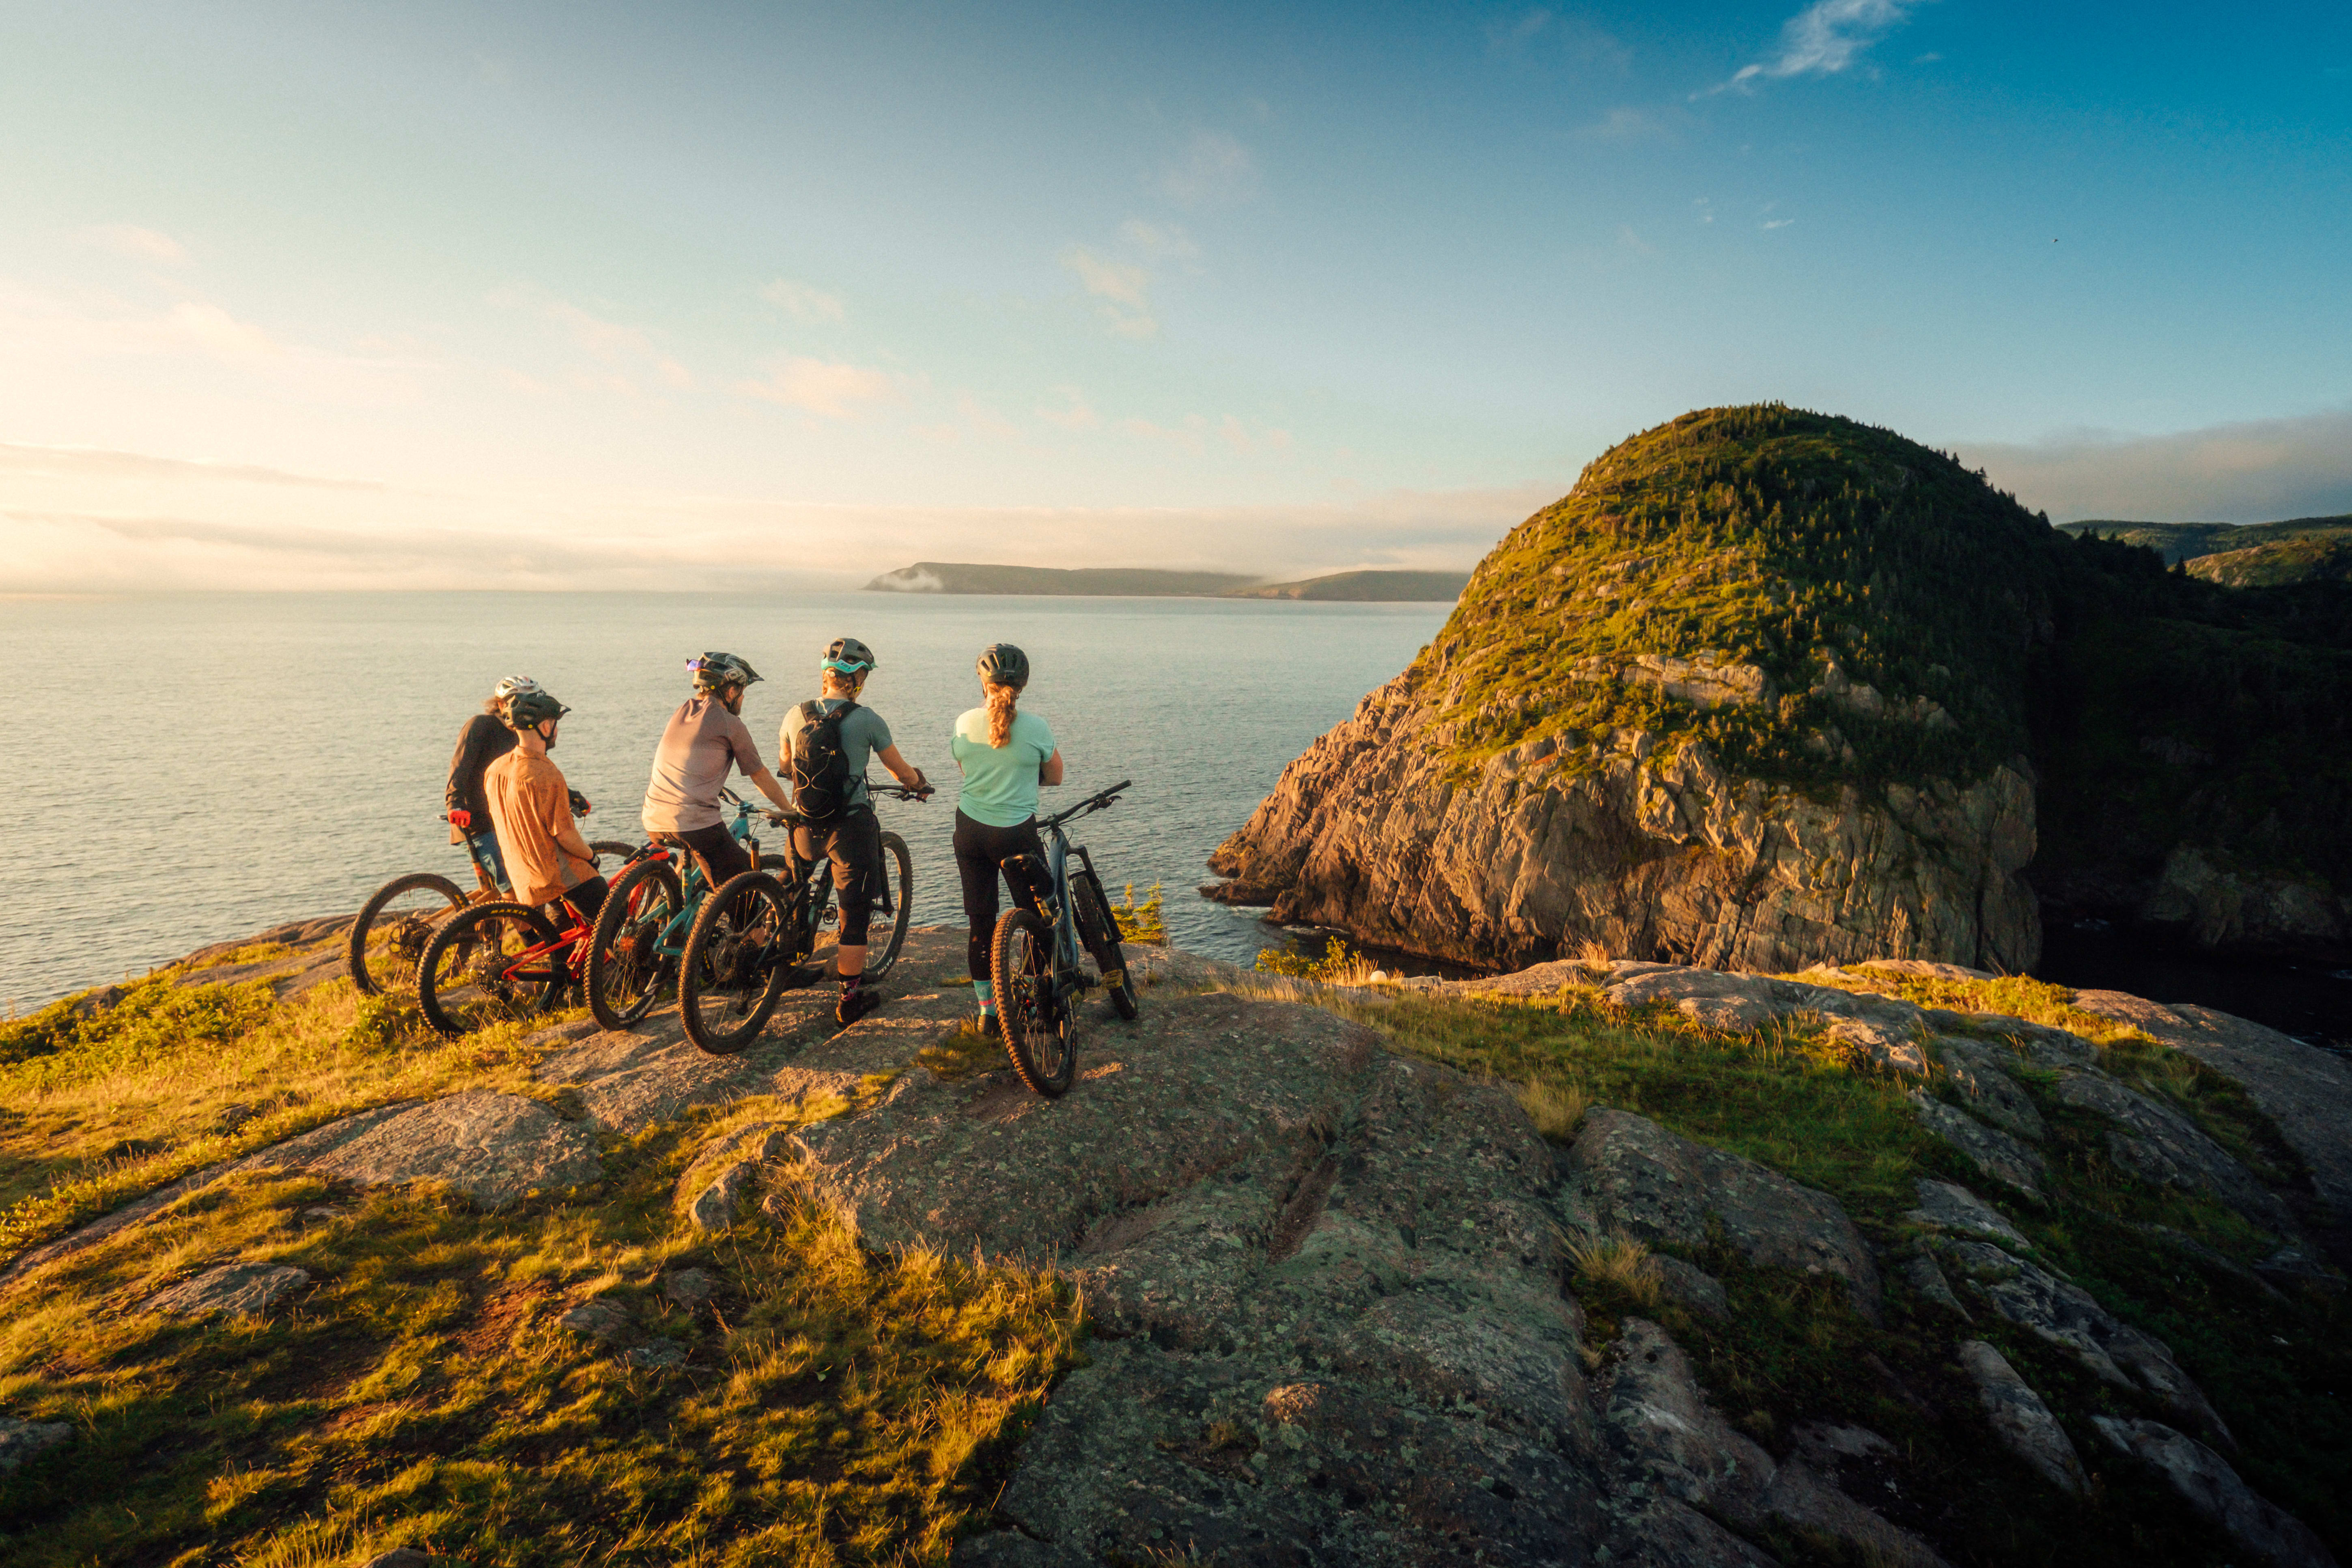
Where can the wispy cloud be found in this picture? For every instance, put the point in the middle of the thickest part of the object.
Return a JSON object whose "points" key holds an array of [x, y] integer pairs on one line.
{"points": [[1624, 125], [612, 343], [2253, 472], [99, 463], [828, 389], [1824, 39], [1124, 288], [1213, 169], [803, 302], [1078, 416], [1159, 240], [138, 244]]}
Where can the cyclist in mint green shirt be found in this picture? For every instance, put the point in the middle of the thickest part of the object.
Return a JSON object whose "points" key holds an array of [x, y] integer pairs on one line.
{"points": [[1004, 755]]}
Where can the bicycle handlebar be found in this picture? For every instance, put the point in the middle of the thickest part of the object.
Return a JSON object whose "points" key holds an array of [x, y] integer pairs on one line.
{"points": [[1101, 801]]}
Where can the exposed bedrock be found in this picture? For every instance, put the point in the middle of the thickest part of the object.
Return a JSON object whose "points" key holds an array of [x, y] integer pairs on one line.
{"points": [[1646, 855]]}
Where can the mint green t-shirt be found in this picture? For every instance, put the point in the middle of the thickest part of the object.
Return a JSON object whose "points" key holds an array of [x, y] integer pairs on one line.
{"points": [[999, 784]]}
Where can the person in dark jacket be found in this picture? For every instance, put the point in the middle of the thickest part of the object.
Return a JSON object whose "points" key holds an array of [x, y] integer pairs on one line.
{"points": [[485, 739]]}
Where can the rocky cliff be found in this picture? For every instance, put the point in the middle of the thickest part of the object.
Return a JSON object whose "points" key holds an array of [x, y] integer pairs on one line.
{"points": [[1771, 688]]}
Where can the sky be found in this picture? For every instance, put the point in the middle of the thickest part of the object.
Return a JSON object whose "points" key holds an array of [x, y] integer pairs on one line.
{"points": [[424, 295]]}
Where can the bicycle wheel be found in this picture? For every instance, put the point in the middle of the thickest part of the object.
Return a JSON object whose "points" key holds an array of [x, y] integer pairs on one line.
{"points": [[733, 968], [473, 973], [1037, 1031], [898, 884], [398, 922], [1099, 932], [624, 963]]}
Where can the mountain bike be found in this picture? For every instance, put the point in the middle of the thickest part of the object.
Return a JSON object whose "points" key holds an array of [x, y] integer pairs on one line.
{"points": [[641, 931], [499, 960], [394, 925], [755, 937], [1035, 958]]}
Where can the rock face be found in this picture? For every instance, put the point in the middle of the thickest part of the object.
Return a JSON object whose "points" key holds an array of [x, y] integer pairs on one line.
{"points": [[2214, 1490], [494, 1148], [2024, 1423], [239, 1290], [1668, 857], [1644, 1180]]}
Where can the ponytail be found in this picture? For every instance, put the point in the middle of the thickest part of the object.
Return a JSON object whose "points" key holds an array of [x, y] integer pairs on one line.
{"points": [[1001, 700]]}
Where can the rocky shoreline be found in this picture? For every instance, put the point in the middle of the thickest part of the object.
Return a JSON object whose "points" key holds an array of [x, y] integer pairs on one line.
{"points": [[1332, 1288]]}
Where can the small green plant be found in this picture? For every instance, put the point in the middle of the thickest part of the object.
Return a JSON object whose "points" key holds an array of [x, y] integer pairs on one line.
{"points": [[1339, 966], [1141, 921]]}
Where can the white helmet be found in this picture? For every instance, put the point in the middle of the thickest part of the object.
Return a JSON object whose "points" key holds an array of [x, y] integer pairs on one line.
{"points": [[514, 686]]}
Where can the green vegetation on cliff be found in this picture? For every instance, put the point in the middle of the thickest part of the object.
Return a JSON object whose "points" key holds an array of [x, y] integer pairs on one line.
{"points": [[2182, 541], [1820, 601], [1769, 539]]}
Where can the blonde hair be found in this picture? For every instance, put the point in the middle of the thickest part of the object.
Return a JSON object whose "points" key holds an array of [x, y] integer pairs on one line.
{"points": [[1001, 700]]}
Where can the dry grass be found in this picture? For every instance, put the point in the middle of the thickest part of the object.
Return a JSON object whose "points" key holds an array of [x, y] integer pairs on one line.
{"points": [[836, 1407], [1554, 1108], [1618, 1265]]}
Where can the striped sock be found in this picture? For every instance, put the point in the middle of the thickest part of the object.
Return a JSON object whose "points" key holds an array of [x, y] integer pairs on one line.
{"points": [[985, 991]]}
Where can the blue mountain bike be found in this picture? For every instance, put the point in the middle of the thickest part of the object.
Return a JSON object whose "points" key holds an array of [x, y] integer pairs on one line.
{"points": [[1038, 957]]}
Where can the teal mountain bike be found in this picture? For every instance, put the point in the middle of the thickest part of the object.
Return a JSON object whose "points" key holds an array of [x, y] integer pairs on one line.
{"points": [[1038, 957]]}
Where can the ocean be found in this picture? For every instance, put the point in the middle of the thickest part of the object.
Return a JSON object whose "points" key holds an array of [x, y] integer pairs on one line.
{"points": [[185, 769]]}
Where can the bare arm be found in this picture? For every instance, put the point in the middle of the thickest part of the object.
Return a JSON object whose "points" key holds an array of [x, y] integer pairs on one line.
{"points": [[765, 783], [1049, 772], [905, 772]]}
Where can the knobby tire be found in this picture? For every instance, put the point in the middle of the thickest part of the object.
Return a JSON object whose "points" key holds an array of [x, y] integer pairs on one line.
{"points": [[1038, 1033], [898, 879], [470, 952], [1099, 932], [407, 929], [624, 971], [726, 984]]}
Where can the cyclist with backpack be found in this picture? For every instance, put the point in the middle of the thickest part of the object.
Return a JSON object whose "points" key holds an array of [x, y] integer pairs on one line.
{"points": [[825, 742], [1004, 755], [704, 741]]}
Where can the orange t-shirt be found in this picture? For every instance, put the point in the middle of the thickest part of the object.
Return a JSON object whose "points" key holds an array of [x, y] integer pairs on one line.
{"points": [[531, 808]]}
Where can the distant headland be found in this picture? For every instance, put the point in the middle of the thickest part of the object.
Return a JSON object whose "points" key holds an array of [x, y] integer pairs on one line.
{"points": [[1362, 587]]}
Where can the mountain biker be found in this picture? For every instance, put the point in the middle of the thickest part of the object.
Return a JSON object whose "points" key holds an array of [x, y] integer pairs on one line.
{"points": [[531, 812], [702, 741], [483, 741], [830, 795], [1004, 755]]}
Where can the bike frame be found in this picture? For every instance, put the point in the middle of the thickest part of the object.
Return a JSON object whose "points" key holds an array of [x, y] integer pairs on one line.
{"points": [[670, 944], [574, 936], [1060, 909]]}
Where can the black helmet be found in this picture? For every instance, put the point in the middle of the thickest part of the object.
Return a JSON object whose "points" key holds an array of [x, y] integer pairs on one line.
{"points": [[849, 656], [713, 670], [530, 710], [1003, 665]]}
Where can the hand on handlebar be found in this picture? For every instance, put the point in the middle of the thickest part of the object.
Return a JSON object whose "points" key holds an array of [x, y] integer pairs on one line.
{"points": [[462, 820], [580, 806]]}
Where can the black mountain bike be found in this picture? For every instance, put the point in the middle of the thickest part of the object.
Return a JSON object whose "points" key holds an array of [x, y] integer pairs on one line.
{"points": [[1036, 962], [755, 937]]}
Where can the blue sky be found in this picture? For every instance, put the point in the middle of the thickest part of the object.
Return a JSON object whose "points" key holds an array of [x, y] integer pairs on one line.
{"points": [[300, 294]]}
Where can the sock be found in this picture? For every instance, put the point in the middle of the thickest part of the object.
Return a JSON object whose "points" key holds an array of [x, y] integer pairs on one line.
{"points": [[986, 992], [850, 983]]}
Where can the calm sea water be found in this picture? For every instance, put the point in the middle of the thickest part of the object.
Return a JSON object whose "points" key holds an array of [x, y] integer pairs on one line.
{"points": [[184, 769]]}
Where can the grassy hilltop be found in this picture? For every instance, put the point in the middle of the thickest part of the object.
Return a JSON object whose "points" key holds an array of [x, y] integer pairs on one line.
{"points": [[2155, 708]]}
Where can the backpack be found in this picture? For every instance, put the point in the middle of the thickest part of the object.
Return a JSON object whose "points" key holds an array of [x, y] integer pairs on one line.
{"points": [[821, 781]]}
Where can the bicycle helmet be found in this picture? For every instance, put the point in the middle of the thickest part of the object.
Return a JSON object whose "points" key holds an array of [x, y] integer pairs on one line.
{"points": [[713, 670], [848, 657], [530, 710], [1003, 665], [513, 686]]}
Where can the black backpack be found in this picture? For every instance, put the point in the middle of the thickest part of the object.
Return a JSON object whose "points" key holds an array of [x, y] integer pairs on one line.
{"points": [[821, 780]]}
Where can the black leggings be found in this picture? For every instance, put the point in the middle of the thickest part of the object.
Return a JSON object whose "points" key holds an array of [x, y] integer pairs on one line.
{"points": [[980, 851], [587, 896], [854, 845], [721, 858]]}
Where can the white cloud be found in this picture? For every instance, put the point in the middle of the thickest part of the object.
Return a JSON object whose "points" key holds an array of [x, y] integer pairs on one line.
{"points": [[2254, 472], [215, 331], [1825, 39], [1213, 168], [1159, 240], [96, 463], [803, 302], [1124, 288], [138, 244], [613, 344], [1078, 416], [827, 389], [1776, 223]]}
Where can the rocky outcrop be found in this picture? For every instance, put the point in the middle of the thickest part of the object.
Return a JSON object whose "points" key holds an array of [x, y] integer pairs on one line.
{"points": [[2020, 1418], [1644, 852], [2206, 1481], [237, 1289]]}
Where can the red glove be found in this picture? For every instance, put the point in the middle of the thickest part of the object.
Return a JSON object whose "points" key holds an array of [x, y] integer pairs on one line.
{"points": [[462, 820]]}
